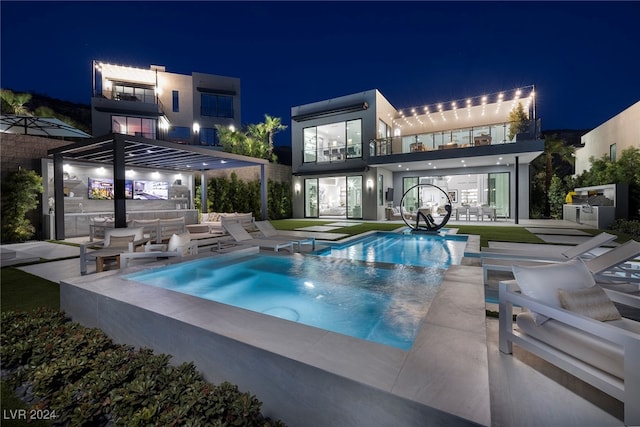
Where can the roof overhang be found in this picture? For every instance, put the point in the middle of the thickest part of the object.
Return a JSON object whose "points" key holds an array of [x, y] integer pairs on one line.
{"points": [[150, 153], [485, 156]]}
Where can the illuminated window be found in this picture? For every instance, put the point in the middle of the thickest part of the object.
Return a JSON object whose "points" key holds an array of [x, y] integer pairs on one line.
{"points": [[333, 142], [134, 126]]}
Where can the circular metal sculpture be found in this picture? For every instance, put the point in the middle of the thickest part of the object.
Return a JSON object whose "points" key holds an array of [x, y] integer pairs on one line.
{"points": [[429, 224]]}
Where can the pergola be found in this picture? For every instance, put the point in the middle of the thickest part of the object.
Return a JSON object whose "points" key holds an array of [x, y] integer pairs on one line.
{"points": [[122, 151]]}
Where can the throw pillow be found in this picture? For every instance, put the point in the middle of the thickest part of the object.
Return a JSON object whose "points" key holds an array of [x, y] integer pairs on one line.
{"points": [[591, 302], [120, 241], [178, 242], [542, 282]]}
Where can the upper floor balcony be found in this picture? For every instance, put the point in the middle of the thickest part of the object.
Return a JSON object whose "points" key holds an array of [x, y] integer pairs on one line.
{"points": [[467, 137]]}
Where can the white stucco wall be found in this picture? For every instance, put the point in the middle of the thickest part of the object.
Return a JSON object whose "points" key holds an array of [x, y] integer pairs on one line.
{"points": [[622, 130]]}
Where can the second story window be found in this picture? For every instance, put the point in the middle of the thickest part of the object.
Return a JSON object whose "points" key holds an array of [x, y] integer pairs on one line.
{"points": [[333, 142], [213, 105], [176, 101]]}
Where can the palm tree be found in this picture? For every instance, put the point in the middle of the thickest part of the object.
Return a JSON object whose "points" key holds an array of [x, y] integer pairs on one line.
{"points": [[16, 101], [265, 131]]}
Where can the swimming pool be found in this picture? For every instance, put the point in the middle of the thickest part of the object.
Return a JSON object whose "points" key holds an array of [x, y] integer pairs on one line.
{"points": [[423, 250], [301, 372], [384, 305]]}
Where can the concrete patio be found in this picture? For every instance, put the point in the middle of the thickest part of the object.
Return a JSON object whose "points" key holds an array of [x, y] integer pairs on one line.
{"points": [[523, 390]]}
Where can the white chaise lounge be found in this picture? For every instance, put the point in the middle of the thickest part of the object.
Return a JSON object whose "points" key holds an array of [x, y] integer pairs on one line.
{"points": [[551, 252], [567, 325], [606, 267], [270, 232], [241, 236]]}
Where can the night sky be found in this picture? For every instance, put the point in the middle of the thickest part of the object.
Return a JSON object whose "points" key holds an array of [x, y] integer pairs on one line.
{"points": [[583, 57]]}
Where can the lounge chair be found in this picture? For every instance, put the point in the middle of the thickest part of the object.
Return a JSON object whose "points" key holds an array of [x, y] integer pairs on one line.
{"points": [[269, 231], [179, 245], [573, 324], [550, 252], [613, 265], [116, 242], [609, 266], [240, 235]]}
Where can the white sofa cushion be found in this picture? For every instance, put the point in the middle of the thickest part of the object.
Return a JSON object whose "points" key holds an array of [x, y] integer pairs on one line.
{"points": [[542, 282], [591, 302]]}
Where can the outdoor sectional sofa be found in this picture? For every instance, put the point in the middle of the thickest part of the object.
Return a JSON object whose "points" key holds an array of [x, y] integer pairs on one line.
{"points": [[586, 339], [216, 221], [160, 230]]}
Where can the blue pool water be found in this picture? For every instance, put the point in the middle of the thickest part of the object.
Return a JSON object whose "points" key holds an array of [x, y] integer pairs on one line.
{"points": [[384, 303], [410, 249]]}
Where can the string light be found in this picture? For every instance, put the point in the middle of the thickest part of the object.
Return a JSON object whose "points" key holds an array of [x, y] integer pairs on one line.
{"points": [[475, 106]]}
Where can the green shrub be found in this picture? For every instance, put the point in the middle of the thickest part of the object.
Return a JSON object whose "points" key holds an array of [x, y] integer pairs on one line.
{"points": [[632, 228], [20, 192], [86, 379]]}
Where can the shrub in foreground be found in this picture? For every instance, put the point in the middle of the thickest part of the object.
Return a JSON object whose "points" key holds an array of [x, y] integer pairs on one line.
{"points": [[80, 377]]}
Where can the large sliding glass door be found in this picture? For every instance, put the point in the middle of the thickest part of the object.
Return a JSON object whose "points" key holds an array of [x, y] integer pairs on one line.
{"points": [[490, 189], [499, 193], [333, 197]]}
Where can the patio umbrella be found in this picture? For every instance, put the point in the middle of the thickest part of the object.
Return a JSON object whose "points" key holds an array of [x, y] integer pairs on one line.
{"points": [[39, 126]]}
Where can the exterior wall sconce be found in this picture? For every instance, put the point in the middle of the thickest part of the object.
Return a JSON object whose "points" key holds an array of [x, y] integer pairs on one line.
{"points": [[196, 128], [296, 188], [369, 184]]}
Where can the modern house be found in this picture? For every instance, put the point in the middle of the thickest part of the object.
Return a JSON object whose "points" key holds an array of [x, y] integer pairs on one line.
{"points": [[612, 137], [156, 104], [356, 156], [154, 132]]}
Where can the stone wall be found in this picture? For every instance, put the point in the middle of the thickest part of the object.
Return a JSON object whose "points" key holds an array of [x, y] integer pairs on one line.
{"points": [[25, 151]]}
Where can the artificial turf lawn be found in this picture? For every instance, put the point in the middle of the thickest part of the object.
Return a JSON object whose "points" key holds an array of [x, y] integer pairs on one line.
{"points": [[20, 290]]}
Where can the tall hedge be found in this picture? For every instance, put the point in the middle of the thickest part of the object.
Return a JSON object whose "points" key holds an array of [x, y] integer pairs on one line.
{"points": [[235, 195]]}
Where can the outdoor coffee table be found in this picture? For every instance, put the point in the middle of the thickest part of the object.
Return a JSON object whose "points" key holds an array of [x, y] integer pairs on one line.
{"points": [[106, 256]]}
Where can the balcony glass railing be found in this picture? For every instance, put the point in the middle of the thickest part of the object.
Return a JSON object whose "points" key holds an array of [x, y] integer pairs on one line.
{"points": [[143, 96], [498, 133]]}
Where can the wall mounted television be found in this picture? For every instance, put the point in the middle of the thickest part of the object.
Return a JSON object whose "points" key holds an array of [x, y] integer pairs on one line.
{"points": [[389, 195], [151, 190], [103, 189]]}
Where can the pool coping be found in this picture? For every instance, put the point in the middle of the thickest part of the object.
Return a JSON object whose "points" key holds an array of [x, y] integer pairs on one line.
{"points": [[444, 373]]}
